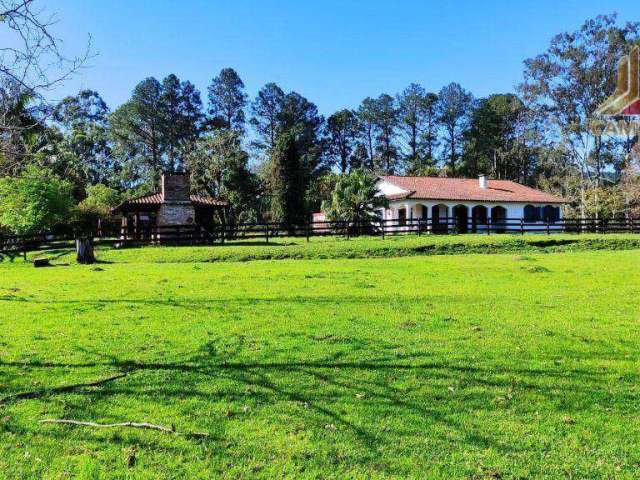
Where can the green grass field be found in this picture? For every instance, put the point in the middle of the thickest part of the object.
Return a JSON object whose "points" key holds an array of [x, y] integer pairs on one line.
{"points": [[361, 247], [521, 364]]}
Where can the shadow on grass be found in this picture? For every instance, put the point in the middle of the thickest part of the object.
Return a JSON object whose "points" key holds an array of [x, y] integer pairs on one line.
{"points": [[360, 394]]}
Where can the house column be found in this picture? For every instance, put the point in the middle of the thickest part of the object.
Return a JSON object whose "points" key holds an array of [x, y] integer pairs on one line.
{"points": [[429, 215]]}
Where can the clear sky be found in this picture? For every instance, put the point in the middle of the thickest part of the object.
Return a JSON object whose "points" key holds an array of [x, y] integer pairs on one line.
{"points": [[333, 52]]}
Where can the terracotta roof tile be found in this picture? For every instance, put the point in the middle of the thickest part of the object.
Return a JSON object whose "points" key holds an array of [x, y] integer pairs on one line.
{"points": [[439, 188], [157, 199]]}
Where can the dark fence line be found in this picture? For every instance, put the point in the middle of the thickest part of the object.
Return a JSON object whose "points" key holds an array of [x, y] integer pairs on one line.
{"points": [[193, 234]]}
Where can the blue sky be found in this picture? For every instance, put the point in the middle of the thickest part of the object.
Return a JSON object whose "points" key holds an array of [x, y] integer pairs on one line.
{"points": [[333, 52]]}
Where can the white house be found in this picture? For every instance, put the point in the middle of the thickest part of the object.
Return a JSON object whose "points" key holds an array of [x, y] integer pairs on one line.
{"points": [[467, 203]]}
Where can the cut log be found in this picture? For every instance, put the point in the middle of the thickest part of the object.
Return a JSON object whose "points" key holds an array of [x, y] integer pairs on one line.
{"points": [[84, 251], [41, 262]]}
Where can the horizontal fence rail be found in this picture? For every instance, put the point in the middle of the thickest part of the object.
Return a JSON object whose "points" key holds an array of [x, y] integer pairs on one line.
{"points": [[110, 233]]}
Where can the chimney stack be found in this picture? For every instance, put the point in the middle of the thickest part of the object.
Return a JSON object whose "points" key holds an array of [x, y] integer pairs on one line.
{"points": [[482, 180], [176, 187]]}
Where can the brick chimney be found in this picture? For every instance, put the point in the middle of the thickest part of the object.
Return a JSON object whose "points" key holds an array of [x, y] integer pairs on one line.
{"points": [[176, 187], [482, 180]]}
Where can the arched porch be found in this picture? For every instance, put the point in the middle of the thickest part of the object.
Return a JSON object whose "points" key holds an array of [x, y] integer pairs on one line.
{"points": [[461, 218], [479, 215], [440, 218], [498, 218]]}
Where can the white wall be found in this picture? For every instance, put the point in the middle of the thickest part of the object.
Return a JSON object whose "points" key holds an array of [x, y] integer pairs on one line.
{"points": [[414, 208]]}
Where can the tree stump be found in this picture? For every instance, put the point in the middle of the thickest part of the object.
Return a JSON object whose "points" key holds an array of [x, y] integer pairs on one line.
{"points": [[41, 262], [84, 251]]}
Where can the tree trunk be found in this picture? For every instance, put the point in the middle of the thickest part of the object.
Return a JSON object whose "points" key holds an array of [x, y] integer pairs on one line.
{"points": [[84, 251]]}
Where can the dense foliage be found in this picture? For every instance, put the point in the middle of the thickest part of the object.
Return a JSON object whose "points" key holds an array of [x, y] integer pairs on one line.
{"points": [[273, 156], [34, 200], [355, 198]]}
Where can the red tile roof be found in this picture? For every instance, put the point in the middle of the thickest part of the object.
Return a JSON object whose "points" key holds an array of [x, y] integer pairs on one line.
{"points": [[207, 201], [439, 188], [157, 199]]}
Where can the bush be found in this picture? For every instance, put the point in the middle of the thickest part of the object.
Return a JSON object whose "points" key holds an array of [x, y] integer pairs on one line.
{"points": [[34, 201], [98, 204]]}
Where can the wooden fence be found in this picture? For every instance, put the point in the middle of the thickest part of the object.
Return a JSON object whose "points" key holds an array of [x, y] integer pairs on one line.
{"points": [[112, 234]]}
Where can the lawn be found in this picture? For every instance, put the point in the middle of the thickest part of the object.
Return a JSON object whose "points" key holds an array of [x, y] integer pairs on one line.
{"points": [[359, 247], [513, 365]]}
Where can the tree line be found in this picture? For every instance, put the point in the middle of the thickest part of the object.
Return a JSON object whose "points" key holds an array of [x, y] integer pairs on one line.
{"points": [[275, 157]]}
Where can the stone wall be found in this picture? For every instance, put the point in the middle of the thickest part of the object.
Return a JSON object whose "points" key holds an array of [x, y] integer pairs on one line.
{"points": [[176, 213], [176, 186]]}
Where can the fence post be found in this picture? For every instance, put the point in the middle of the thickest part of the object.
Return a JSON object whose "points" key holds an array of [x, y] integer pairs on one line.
{"points": [[266, 232], [307, 226], [382, 225], [489, 226], [548, 231], [521, 226]]}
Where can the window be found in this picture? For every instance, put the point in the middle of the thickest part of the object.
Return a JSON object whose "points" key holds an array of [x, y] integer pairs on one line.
{"points": [[531, 214]]}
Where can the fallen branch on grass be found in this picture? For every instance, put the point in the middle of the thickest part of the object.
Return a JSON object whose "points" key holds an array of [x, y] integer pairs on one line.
{"points": [[148, 426], [62, 389]]}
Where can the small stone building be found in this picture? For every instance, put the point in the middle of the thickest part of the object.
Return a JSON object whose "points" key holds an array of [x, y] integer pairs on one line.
{"points": [[174, 205]]}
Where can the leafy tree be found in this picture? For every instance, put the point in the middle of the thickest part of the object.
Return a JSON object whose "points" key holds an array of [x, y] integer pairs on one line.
{"points": [[320, 190], [454, 108], [342, 130], [360, 157], [21, 127], [630, 183], [182, 115], [496, 141], [301, 117], [287, 180], [34, 201], [430, 132], [367, 118], [267, 110], [564, 86], [84, 122], [137, 129], [298, 112], [97, 205], [31, 65], [227, 100], [416, 121], [296, 157], [385, 118], [220, 168], [154, 129], [605, 202], [355, 198]]}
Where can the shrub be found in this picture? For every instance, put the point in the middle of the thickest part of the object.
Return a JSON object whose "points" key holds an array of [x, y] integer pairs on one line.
{"points": [[98, 204], [34, 201]]}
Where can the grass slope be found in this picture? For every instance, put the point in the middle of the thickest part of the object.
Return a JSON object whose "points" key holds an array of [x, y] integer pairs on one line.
{"points": [[468, 366], [363, 247]]}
